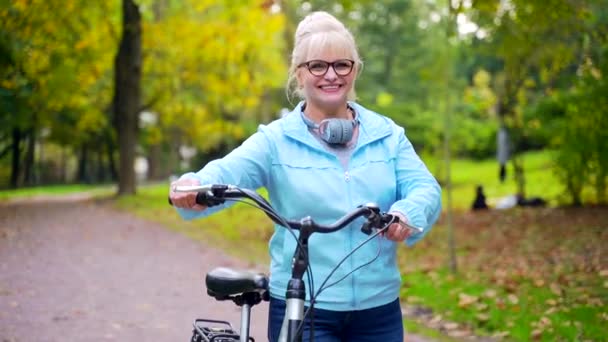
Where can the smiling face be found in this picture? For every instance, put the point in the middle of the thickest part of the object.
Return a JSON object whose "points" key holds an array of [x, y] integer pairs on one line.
{"points": [[328, 92]]}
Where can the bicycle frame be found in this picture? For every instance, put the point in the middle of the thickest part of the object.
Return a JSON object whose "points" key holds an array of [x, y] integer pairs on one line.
{"points": [[244, 289]]}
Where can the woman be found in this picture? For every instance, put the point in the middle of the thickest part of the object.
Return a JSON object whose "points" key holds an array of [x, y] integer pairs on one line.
{"points": [[323, 159]]}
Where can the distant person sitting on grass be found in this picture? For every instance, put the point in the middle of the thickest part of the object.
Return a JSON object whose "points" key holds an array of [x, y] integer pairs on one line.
{"points": [[530, 201], [480, 200]]}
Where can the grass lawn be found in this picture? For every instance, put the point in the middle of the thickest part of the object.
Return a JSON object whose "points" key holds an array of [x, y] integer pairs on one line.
{"points": [[523, 274], [55, 190], [527, 274]]}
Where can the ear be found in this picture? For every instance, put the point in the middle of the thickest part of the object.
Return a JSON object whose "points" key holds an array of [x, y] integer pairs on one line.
{"points": [[299, 78]]}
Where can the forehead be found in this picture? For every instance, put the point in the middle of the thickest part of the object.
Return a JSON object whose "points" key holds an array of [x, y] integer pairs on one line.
{"points": [[329, 46]]}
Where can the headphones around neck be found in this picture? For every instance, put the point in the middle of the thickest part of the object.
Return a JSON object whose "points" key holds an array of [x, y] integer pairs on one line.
{"points": [[333, 131]]}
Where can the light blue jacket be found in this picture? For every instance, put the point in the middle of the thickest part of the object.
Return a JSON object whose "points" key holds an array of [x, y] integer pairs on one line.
{"points": [[304, 179]]}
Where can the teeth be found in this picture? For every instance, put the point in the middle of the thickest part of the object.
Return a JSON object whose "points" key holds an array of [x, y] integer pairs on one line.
{"points": [[330, 87]]}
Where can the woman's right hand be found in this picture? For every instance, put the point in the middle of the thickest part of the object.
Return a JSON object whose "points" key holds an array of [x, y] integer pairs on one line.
{"points": [[185, 200]]}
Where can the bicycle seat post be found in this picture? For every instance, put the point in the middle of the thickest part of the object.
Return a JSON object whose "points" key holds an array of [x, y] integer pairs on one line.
{"points": [[245, 319], [246, 301]]}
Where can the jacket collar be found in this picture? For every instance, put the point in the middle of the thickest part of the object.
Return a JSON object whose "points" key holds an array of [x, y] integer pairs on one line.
{"points": [[371, 126]]}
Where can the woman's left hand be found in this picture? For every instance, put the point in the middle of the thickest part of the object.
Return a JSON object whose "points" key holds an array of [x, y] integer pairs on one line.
{"points": [[396, 231]]}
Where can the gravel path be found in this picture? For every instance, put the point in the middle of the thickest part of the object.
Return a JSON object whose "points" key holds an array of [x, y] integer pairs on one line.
{"points": [[75, 270]]}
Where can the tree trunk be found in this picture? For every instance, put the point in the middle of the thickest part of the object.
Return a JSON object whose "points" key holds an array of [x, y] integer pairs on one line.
{"points": [[28, 167], [83, 164], [63, 167], [518, 169], [101, 170], [127, 67], [16, 161], [154, 163]]}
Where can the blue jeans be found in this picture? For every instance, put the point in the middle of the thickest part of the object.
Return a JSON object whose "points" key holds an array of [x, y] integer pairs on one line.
{"points": [[383, 323]]}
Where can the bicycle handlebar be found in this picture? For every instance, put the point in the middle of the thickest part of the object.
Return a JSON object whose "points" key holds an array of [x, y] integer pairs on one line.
{"points": [[215, 194], [210, 195]]}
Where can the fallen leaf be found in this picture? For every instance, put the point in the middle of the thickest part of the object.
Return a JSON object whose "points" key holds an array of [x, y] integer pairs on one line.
{"points": [[489, 293], [555, 289], [500, 334], [482, 317], [413, 299], [544, 321], [481, 306], [550, 311], [536, 333], [436, 319], [451, 326], [459, 333], [604, 273], [465, 300]]}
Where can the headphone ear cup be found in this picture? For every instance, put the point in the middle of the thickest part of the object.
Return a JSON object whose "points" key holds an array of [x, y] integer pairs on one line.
{"points": [[336, 131], [347, 131]]}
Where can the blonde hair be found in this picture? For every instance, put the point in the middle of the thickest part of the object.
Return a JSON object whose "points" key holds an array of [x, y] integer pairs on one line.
{"points": [[320, 31]]}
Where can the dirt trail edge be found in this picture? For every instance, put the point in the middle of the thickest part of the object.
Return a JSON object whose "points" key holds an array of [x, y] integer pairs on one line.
{"points": [[72, 270]]}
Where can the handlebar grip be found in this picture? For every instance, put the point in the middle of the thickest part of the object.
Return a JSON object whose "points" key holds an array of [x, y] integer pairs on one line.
{"points": [[204, 198]]}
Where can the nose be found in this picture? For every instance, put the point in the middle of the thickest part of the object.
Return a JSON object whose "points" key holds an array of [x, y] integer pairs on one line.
{"points": [[330, 75]]}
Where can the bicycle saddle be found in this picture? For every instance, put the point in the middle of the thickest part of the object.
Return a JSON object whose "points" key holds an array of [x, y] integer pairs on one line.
{"points": [[223, 282]]}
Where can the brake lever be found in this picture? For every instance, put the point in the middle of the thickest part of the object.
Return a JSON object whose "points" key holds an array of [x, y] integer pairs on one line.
{"points": [[374, 221], [208, 199], [381, 221]]}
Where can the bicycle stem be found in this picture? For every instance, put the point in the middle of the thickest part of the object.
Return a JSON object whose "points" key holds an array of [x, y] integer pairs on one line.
{"points": [[295, 295]]}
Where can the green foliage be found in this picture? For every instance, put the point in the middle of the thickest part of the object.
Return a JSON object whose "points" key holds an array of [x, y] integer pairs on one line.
{"points": [[576, 126], [57, 77], [208, 66], [213, 70], [538, 44]]}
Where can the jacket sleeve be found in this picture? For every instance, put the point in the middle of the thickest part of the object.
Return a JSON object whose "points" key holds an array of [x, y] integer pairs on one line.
{"points": [[247, 166], [418, 193]]}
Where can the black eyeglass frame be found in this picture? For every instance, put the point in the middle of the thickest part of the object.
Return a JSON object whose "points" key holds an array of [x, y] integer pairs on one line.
{"points": [[328, 64]]}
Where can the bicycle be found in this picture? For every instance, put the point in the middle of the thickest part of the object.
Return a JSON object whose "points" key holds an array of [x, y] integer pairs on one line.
{"points": [[247, 289]]}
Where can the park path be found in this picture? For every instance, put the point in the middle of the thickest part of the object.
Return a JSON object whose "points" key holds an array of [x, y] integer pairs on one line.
{"points": [[77, 271], [72, 269]]}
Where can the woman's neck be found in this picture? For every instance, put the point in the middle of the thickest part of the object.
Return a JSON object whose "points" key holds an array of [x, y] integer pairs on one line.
{"points": [[317, 114]]}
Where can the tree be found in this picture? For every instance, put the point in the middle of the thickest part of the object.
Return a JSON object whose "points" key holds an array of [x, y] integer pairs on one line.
{"points": [[127, 94], [208, 69], [534, 41], [56, 64]]}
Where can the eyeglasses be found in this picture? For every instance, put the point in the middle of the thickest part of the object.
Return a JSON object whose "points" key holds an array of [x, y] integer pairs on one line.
{"points": [[342, 67]]}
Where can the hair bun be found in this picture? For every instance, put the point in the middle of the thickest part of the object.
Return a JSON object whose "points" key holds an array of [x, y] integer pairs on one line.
{"points": [[318, 22]]}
